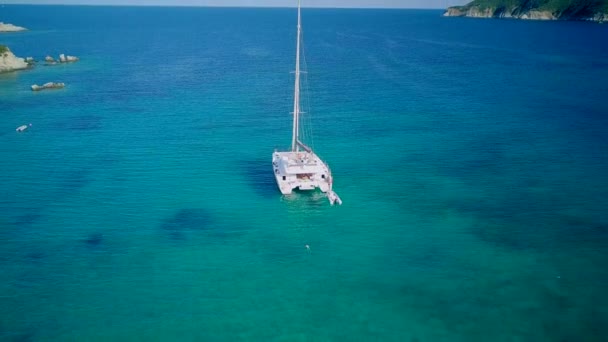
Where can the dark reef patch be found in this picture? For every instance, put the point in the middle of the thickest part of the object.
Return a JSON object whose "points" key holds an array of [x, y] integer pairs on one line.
{"points": [[22, 337], [532, 227], [94, 240], [27, 219], [80, 123], [581, 231], [75, 179], [110, 158], [474, 158], [196, 222], [512, 235], [129, 110], [185, 222], [35, 256], [19, 220]]}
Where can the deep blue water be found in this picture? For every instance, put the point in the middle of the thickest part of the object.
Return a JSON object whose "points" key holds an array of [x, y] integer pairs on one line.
{"points": [[471, 156]]}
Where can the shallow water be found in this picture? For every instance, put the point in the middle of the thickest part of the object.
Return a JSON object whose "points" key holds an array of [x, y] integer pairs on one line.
{"points": [[470, 154]]}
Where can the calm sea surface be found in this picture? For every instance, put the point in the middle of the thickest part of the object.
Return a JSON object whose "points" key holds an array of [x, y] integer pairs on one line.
{"points": [[471, 155]]}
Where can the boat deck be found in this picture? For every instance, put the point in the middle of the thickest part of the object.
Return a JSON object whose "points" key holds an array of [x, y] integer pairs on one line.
{"points": [[300, 170]]}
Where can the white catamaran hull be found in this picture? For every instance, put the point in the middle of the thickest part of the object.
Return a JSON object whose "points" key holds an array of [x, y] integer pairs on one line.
{"points": [[300, 170]]}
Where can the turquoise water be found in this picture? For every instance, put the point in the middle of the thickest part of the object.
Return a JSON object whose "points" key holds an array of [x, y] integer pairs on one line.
{"points": [[471, 156]]}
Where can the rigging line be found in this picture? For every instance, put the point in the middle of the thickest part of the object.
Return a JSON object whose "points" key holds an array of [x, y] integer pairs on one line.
{"points": [[309, 116], [303, 87], [308, 127], [306, 118]]}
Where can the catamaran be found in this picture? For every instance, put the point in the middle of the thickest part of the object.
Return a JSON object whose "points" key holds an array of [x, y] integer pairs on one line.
{"points": [[300, 168]]}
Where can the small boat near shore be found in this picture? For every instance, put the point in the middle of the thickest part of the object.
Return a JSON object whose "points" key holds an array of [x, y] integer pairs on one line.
{"points": [[48, 85]]}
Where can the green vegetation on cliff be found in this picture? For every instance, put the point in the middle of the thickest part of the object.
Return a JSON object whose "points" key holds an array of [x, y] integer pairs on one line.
{"points": [[3, 49], [566, 9]]}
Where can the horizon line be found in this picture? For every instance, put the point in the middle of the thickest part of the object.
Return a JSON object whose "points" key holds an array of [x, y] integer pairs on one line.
{"points": [[225, 6]]}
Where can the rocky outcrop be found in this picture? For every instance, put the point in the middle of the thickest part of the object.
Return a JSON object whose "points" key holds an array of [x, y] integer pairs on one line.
{"points": [[491, 12], [49, 60], [67, 59], [10, 28], [49, 85], [527, 11], [10, 62], [600, 18], [62, 59], [537, 15], [473, 11]]}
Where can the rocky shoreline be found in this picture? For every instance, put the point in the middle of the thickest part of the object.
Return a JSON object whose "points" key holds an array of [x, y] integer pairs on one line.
{"points": [[9, 62], [516, 13]]}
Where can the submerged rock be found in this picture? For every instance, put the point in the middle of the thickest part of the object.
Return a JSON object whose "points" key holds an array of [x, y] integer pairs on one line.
{"points": [[48, 85], [10, 62], [94, 240]]}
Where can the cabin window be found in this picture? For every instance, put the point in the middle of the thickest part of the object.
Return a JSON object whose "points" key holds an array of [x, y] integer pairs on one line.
{"points": [[284, 178], [323, 176]]}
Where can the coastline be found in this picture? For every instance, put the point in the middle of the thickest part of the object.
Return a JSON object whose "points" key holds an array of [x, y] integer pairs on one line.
{"points": [[516, 13]]}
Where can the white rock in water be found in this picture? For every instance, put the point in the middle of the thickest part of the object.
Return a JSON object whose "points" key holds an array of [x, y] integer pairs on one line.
{"points": [[48, 85], [65, 59], [10, 28], [10, 62]]}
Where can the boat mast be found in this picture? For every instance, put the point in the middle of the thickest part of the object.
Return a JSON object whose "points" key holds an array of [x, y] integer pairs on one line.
{"points": [[296, 97]]}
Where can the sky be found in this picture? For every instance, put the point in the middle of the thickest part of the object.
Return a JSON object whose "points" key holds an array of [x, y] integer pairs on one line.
{"points": [[255, 3]]}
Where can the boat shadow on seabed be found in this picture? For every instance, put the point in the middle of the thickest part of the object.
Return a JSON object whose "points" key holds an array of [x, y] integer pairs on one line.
{"points": [[259, 177]]}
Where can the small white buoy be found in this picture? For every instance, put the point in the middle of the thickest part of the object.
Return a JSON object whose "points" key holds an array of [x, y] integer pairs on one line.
{"points": [[307, 247]]}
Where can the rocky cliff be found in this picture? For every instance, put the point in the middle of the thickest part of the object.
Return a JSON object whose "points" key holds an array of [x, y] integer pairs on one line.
{"points": [[10, 62], [591, 10]]}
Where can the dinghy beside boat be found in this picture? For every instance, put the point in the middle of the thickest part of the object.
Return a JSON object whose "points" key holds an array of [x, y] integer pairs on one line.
{"points": [[23, 128]]}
